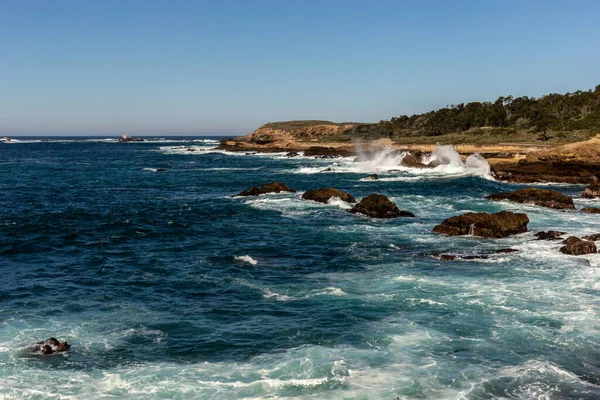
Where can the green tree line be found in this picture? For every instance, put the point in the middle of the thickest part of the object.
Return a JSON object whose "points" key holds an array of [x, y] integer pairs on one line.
{"points": [[553, 112]]}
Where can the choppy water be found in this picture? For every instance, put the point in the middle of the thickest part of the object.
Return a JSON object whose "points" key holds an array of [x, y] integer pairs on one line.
{"points": [[167, 287]]}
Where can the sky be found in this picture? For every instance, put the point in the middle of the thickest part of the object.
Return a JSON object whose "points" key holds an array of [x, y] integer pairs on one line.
{"points": [[104, 67]]}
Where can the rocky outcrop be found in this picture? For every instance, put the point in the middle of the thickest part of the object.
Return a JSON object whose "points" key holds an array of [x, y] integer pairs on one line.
{"points": [[323, 195], [378, 206], [549, 235], [576, 247], [571, 240], [591, 192], [126, 138], [498, 225], [594, 238], [51, 346], [273, 187], [539, 197], [591, 210]]}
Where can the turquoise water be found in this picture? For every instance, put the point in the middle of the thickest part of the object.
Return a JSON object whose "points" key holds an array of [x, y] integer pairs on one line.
{"points": [[167, 287]]}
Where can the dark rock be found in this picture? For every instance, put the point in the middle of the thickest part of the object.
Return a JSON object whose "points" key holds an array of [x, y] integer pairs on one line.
{"points": [[327, 170], [292, 154], [378, 206], [328, 156], [571, 240], [161, 170], [591, 210], [539, 197], [273, 187], [498, 225], [192, 150], [579, 247], [51, 346], [592, 191], [372, 177], [327, 151], [481, 256], [323, 195], [548, 235], [502, 251], [546, 171], [594, 238]]}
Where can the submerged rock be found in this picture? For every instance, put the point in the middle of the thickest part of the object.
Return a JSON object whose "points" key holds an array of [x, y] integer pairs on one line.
{"points": [[273, 187], [372, 177], [549, 235], [467, 256], [539, 197], [592, 191], [323, 195], [378, 206], [579, 247], [591, 210], [51, 346], [498, 225]]}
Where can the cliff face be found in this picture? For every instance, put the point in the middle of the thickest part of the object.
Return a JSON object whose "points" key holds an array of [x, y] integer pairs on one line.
{"points": [[297, 131]]}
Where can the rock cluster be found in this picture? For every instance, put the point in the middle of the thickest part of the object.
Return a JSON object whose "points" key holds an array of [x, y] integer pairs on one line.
{"points": [[51, 346], [498, 225], [549, 235], [273, 187], [323, 195], [539, 197], [378, 206]]}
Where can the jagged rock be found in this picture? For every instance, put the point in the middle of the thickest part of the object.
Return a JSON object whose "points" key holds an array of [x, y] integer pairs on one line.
{"points": [[591, 210], [571, 240], [594, 238], [51, 346], [592, 191], [548, 235], [539, 197], [273, 187], [323, 195], [372, 177], [498, 225], [378, 206], [292, 154], [579, 247]]}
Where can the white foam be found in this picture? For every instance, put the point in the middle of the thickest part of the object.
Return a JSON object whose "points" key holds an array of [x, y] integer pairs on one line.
{"points": [[246, 259], [336, 201]]}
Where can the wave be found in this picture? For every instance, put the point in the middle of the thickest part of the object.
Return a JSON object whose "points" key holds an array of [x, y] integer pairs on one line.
{"points": [[246, 259]]}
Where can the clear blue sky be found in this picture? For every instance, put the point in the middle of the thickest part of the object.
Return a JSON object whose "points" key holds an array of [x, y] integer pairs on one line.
{"points": [[225, 67]]}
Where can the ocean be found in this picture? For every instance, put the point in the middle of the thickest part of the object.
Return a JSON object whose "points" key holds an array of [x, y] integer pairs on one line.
{"points": [[166, 286]]}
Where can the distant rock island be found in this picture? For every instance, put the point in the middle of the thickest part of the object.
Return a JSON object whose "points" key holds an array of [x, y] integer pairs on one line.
{"points": [[126, 138]]}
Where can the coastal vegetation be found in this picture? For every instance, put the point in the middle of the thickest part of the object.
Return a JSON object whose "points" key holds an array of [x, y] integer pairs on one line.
{"points": [[553, 117]]}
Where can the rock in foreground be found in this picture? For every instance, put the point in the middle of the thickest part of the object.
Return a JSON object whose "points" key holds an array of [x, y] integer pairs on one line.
{"points": [[378, 206], [498, 225], [273, 187], [323, 195], [538, 197], [578, 247], [51, 346], [591, 192]]}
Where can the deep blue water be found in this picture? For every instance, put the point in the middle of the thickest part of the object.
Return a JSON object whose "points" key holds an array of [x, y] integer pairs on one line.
{"points": [[167, 287]]}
